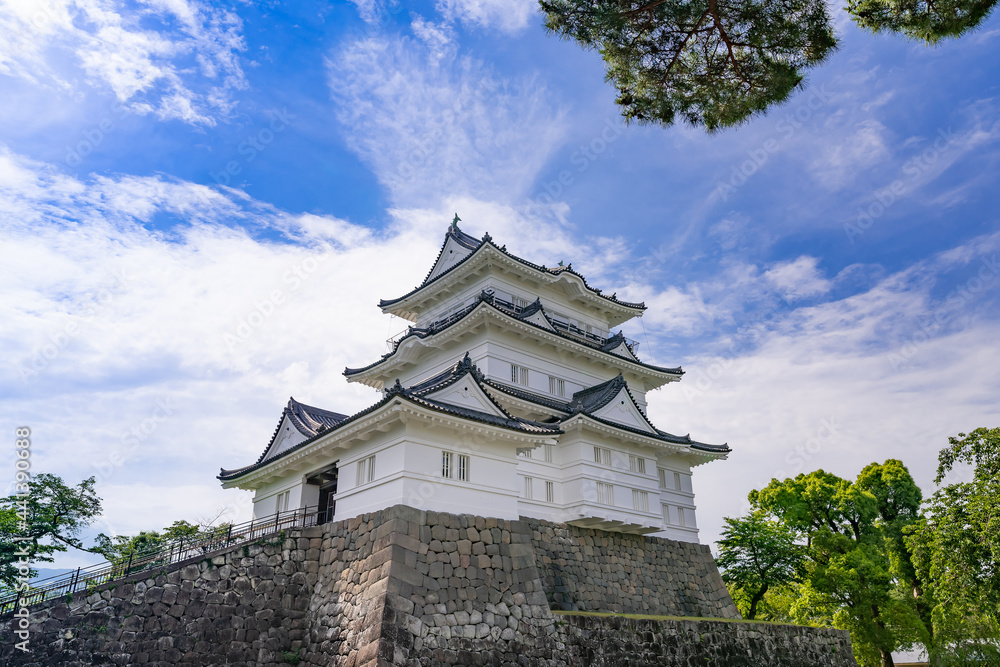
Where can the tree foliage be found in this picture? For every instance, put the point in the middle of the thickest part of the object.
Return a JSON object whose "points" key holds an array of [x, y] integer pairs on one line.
{"points": [[956, 550], [858, 573], [51, 516], [758, 554], [717, 63]]}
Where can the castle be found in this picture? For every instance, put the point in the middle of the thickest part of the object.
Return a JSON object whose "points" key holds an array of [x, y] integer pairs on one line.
{"points": [[508, 397]]}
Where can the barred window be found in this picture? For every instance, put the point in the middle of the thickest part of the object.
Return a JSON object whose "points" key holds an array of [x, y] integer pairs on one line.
{"points": [[550, 492], [366, 470], [529, 488], [518, 374], [605, 493], [557, 386], [447, 459], [640, 500], [636, 464], [463, 467], [602, 455]]}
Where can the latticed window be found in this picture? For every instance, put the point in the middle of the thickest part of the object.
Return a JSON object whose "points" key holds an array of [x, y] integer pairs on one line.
{"points": [[640, 500], [557, 386], [463, 467], [605, 493], [602, 455], [447, 459], [518, 374], [637, 464], [366, 470], [662, 472], [529, 488], [550, 492]]}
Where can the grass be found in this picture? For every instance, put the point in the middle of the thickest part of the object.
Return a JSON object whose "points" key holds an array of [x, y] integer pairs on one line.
{"points": [[652, 617]]}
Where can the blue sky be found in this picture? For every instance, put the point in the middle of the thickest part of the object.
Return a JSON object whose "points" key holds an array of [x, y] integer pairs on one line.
{"points": [[826, 274]]}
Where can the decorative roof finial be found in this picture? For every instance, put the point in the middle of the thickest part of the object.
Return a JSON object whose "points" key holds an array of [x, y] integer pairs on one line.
{"points": [[396, 388], [560, 262], [454, 223], [487, 238]]}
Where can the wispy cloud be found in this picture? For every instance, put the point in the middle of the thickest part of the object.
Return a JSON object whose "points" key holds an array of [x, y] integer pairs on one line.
{"points": [[509, 16], [431, 123], [174, 59]]}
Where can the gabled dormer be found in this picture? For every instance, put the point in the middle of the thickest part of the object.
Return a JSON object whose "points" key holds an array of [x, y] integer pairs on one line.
{"points": [[299, 422], [464, 263], [612, 401]]}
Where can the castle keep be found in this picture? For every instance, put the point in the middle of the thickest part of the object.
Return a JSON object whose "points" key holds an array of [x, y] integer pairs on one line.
{"points": [[509, 396]]}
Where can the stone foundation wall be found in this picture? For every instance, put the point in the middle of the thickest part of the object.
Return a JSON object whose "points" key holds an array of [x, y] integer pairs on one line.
{"points": [[593, 570], [405, 587], [618, 641]]}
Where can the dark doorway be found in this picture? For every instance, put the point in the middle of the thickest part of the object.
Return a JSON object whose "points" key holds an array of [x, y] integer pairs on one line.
{"points": [[327, 481]]}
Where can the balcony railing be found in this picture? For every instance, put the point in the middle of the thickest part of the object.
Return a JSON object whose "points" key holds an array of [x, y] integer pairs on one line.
{"points": [[594, 337], [89, 578]]}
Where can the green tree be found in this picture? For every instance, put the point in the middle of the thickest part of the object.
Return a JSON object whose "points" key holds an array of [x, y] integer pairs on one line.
{"points": [[716, 63], [757, 554], [859, 573], [956, 551], [51, 516]]}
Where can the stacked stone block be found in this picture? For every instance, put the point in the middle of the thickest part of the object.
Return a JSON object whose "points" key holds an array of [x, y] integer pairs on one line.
{"points": [[404, 587], [594, 570]]}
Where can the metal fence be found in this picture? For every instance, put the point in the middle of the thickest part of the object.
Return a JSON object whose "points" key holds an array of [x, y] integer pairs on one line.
{"points": [[89, 578]]}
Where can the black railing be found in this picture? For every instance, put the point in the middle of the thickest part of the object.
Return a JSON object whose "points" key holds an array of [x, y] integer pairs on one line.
{"points": [[89, 578], [567, 328]]}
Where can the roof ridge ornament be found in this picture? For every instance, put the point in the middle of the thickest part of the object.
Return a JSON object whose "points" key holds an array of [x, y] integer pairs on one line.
{"points": [[454, 223], [395, 389], [487, 238]]}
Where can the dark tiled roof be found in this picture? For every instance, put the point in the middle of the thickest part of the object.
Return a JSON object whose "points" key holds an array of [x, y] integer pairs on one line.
{"points": [[484, 297], [309, 420], [594, 398], [662, 435], [474, 245], [417, 395], [530, 396]]}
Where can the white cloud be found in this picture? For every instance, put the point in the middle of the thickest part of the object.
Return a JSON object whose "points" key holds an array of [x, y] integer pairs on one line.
{"points": [[107, 321], [508, 16], [840, 163], [797, 279], [430, 123], [185, 73]]}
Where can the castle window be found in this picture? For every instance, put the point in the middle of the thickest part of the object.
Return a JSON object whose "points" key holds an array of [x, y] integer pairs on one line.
{"points": [[366, 470], [550, 492], [637, 464], [677, 481], [557, 386], [679, 513], [447, 459], [529, 488], [602, 455], [463, 467], [605, 493], [640, 500], [518, 374], [519, 303], [281, 503], [662, 472], [548, 452], [525, 452]]}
